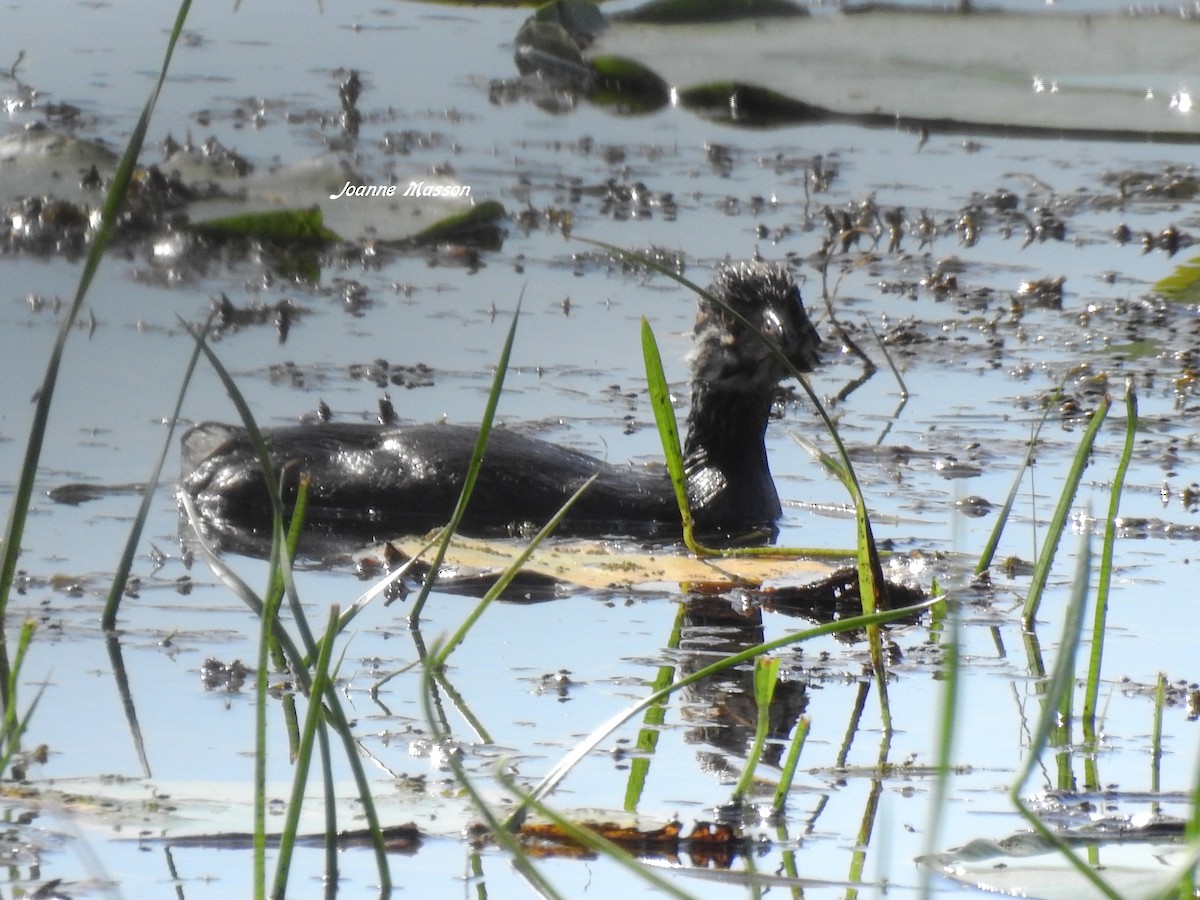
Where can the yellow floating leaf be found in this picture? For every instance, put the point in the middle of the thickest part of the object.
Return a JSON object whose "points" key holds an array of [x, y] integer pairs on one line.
{"points": [[609, 564]]}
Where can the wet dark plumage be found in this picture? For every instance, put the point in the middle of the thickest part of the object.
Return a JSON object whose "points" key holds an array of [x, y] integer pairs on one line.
{"points": [[380, 481]]}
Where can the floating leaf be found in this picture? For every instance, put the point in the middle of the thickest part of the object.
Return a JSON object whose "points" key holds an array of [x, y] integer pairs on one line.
{"points": [[600, 564], [745, 104], [1182, 285], [627, 85], [281, 226], [478, 226], [709, 845]]}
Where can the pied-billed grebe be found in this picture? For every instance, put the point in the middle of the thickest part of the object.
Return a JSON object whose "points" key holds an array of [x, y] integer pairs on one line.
{"points": [[382, 481]]}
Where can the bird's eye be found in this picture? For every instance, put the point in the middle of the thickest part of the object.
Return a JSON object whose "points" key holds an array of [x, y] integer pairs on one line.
{"points": [[771, 326]]}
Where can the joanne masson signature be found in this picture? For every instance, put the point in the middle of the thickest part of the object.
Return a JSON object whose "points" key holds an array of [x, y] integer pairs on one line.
{"points": [[414, 189]]}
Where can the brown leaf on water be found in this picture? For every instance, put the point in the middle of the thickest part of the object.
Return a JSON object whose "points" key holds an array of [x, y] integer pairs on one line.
{"points": [[708, 845]]}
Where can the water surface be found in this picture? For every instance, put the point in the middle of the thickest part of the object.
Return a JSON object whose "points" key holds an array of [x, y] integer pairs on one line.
{"points": [[978, 363]]}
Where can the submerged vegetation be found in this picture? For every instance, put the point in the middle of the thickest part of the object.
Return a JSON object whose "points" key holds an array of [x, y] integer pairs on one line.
{"points": [[296, 674]]}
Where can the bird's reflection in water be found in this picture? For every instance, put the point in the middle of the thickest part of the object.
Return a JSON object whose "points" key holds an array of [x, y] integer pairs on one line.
{"points": [[721, 709]]}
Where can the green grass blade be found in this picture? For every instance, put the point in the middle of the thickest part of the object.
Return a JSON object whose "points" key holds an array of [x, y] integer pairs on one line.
{"points": [[520, 859], [11, 742], [506, 576], [108, 618], [1060, 685], [788, 773], [647, 739], [336, 717], [312, 722], [253, 432], [668, 431], [891, 365], [1058, 522], [950, 675], [241, 590], [332, 850], [283, 545], [871, 586], [766, 675], [225, 575], [381, 586], [456, 699], [270, 624], [283, 580], [989, 550], [267, 622], [14, 727], [1100, 618], [116, 660], [10, 701], [476, 463]]}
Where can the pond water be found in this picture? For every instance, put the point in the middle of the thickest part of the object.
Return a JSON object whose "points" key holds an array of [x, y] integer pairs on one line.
{"points": [[979, 358]]}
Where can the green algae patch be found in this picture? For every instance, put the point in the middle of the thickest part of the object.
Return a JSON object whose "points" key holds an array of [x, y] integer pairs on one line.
{"points": [[477, 226], [628, 85], [1182, 285], [280, 226], [747, 104]]}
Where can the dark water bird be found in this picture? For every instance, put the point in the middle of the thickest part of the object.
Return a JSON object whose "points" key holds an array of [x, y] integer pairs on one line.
{"points": [[381, 481]]}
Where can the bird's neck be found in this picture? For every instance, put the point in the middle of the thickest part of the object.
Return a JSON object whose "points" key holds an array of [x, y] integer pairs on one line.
{"points": [[729, 426], [729, 481]]}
